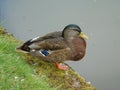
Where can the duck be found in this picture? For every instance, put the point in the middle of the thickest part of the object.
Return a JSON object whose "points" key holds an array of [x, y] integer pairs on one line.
{"points": [[57, 47]]}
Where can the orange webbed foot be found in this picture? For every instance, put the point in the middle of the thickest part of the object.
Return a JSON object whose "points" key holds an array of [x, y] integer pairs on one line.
{"points": [[62, 66]]}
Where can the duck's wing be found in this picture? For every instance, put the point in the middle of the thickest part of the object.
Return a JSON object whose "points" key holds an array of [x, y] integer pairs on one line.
{"points": [[48, 36], [49, 44], [51, 41]]}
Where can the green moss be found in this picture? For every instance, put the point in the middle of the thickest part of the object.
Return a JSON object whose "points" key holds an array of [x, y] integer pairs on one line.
{"points": [[57, 79], [15, 74]]}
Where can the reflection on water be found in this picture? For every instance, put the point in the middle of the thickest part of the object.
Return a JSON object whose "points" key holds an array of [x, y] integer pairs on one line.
{"points": [[99, 19]]}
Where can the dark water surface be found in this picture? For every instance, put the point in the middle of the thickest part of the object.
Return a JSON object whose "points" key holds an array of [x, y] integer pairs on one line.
{"points": [[99, 19]]}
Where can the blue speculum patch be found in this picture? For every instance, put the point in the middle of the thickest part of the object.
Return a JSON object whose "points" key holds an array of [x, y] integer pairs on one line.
{"points": [[45, 52]]}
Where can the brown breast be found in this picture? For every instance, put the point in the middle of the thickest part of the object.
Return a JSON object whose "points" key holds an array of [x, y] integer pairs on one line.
{"points": [[78, 47]]}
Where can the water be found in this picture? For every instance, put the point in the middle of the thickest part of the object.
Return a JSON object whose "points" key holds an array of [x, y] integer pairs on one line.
{"points": [[99, 19]]}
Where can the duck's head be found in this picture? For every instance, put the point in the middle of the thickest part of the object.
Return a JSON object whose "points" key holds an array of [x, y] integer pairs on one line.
{"points": [[72, 31]]}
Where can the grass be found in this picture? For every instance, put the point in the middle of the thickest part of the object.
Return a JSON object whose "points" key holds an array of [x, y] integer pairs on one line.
{"points": [[15, 74], [20, 71]]}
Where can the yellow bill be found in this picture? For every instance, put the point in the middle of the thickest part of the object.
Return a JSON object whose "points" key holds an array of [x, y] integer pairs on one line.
{"points": [[83, 35]]}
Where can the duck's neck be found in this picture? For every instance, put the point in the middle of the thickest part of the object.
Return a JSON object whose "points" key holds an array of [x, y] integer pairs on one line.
{"points": [[69, 39]]}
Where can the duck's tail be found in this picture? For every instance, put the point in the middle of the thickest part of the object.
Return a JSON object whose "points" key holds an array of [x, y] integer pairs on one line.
{"points": [[24, 48]]}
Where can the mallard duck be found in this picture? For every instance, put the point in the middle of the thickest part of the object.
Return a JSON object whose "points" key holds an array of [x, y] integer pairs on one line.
{"points": [[58, 47]]}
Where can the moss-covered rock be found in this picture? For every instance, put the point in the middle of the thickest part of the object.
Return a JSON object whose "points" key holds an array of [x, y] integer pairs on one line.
{"points": [[61, 80]]}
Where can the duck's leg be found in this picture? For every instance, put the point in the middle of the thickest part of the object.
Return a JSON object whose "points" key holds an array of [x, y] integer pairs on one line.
{"points": [[61, 66]]}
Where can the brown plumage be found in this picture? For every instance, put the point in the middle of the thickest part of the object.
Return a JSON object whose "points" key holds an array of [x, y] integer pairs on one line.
{"points": [[58, 46]]}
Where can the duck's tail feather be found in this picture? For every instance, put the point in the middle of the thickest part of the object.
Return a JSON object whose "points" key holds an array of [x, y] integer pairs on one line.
{"points": [[24, 48]]}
